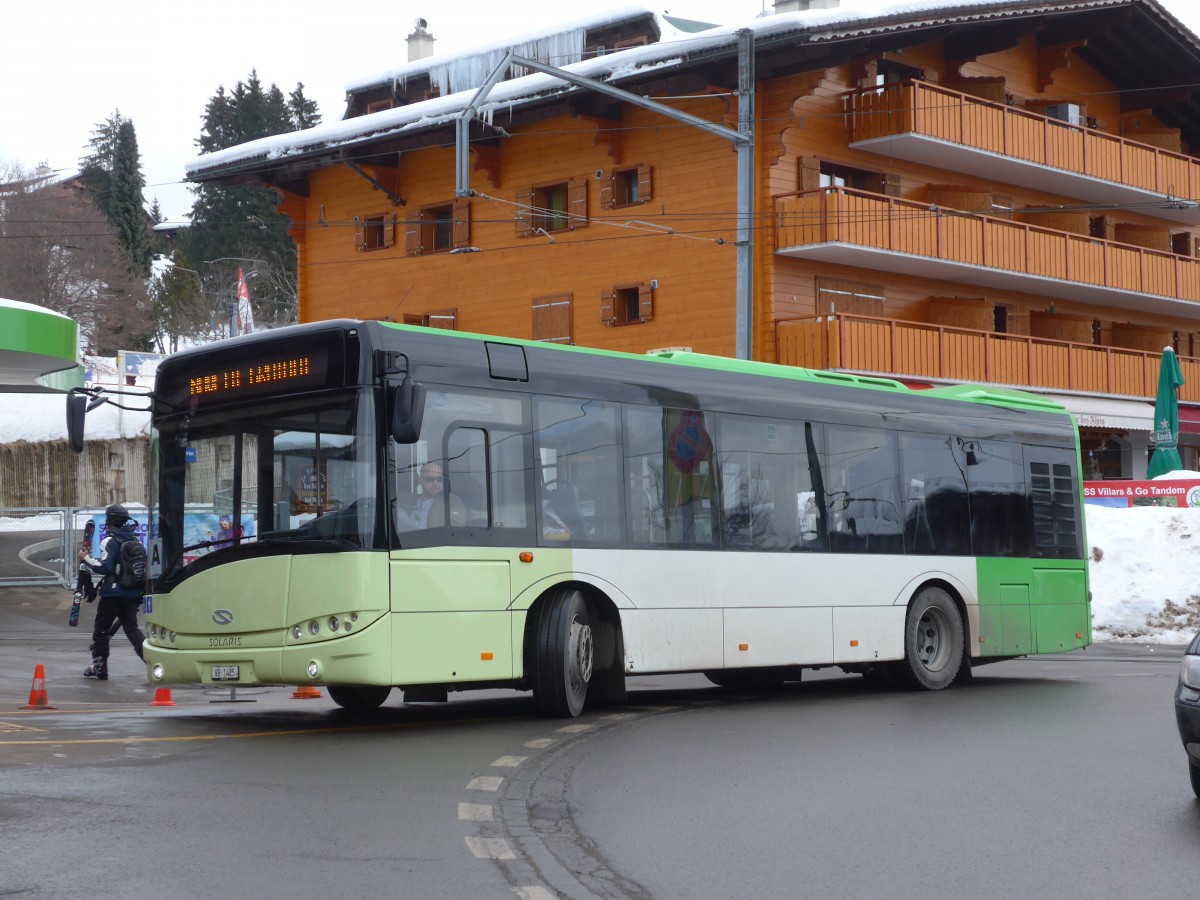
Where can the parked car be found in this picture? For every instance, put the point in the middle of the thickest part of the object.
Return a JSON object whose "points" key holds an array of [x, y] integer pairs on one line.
{"points": [[1187, 708]]}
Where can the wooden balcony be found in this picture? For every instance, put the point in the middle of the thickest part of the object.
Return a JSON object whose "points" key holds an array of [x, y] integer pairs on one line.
{"points": [[872, 231], [900, 349], [935, 126]]}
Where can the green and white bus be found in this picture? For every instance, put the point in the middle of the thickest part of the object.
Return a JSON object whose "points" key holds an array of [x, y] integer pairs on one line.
{"points": [[365, 505]]}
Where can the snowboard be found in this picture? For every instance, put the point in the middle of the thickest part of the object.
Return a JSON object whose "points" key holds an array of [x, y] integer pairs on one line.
{"points": [[83, 581]]}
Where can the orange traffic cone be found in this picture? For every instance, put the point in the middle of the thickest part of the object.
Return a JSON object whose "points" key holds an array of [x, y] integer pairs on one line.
{"points": [[162, 697], [37, 694], [307, 692]]}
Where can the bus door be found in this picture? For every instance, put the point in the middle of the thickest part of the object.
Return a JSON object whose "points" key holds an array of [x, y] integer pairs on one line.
{"points": [[460, 499]]}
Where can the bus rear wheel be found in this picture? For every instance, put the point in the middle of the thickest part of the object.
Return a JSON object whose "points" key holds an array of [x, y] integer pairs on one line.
{"points": [[358, 698], [564, 655], [933, 642]]}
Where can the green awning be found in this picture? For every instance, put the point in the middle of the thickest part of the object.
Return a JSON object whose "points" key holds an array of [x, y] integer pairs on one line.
{"points": [[39, 349]]}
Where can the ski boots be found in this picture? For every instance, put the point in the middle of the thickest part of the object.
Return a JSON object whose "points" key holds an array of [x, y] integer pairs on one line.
{"points": [[98, 669]]}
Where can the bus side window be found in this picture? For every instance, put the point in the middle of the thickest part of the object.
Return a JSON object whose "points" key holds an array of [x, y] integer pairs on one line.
{"points": [[577, 450]]}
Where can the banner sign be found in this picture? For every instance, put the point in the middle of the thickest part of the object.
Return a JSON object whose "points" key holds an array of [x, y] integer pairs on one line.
{"points": [[1169, 492]]}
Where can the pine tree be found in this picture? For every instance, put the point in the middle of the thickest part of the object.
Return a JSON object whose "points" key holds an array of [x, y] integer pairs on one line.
{"points": [[237, 225], [113, 174]]}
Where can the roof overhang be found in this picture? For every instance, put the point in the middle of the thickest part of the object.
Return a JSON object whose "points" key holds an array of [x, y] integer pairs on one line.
{"points": [[38, 350]]}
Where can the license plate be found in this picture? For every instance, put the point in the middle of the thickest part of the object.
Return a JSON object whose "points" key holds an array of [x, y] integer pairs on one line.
{"points": [[226, 673]]}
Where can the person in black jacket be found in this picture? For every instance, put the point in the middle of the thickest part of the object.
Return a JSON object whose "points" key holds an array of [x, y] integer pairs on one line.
{"points": [[117, 603]]}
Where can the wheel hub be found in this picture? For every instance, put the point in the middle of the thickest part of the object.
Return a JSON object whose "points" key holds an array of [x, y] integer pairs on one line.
{"points": [[580, 654]]}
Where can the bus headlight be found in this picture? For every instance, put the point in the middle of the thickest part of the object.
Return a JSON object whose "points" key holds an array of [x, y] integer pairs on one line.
{"points": [[333, 623], [297, 632], [314, 627], [313, 669], [156, 672]]}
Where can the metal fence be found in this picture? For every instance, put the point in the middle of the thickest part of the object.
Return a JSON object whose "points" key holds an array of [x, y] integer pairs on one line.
{"points": [[47, 558]]}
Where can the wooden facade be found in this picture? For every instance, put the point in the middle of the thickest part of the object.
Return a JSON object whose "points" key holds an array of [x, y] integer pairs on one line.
{"points": [[1004, 204]]}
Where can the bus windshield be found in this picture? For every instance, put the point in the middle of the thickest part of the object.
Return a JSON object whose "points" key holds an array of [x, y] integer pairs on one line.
{"points": [[296, 471]]}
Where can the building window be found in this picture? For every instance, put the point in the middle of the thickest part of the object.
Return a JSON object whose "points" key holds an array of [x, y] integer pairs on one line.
{"points": [[380, 105], [374, 232], [439, 228], [546, 208], [552, 319], [627, 186], [438, 318], [627, 304]]}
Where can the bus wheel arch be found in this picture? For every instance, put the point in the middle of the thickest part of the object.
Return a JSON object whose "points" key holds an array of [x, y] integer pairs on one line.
{"points": [[573, 650], [935, 639], [358, 698]]}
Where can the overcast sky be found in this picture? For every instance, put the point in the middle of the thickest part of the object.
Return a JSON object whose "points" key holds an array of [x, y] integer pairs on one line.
{"points": [[68, 65]]}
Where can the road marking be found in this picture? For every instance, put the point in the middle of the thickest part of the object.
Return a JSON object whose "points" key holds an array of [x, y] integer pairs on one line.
{"points": [[232, 736], [13, 728], [490, 848], [509, 762], [533, 893], [485, 783], [575, 729], [539, 744], [474, 812]]}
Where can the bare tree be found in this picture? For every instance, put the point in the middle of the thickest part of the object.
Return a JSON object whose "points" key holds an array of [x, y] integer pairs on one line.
{"points": [[57, 250]]}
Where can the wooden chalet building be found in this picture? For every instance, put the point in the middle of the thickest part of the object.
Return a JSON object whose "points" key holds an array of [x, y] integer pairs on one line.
{"points": [[1002, 192]]}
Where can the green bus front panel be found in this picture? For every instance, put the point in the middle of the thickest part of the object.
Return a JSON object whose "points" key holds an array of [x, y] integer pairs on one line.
{"points": [[1032, 606]]}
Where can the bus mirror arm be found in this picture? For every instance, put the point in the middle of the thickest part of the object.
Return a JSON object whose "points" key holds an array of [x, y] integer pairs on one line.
{"points": [[408, 408], [81, 401]]}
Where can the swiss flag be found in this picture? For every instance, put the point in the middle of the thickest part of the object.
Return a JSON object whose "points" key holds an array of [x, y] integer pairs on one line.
{"points": [[245, 316]]}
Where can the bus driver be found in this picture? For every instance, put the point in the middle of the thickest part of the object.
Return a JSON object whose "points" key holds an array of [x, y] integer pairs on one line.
{"points": [[431, 508]]}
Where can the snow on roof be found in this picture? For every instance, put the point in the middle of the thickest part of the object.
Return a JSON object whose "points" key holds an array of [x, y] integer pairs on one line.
{"points": [[31, 307], [557, 42], [819, 25]]}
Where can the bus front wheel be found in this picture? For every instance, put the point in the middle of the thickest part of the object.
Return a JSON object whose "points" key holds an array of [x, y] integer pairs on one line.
{"points": [[564, 656], [358, 698], [933, 642]]}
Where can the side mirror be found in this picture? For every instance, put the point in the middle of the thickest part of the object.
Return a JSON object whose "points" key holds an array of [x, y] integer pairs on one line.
{"points": [[76, 410], [408, 408]]}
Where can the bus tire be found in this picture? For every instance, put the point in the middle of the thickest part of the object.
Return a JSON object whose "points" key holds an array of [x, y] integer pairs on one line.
{"points": [[564, 655], [933, 642], [358, 698]]}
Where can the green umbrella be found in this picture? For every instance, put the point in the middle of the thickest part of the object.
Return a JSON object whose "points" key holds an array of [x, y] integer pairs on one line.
{"points": [[1166, 418]]}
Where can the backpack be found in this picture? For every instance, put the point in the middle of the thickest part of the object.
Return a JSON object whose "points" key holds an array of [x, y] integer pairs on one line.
{"points": [[131, 566]]}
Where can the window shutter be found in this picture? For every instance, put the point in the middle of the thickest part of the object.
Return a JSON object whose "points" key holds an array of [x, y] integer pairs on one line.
{"points": [[577, 202], [810, 173], [412, 234], [389, 229], [608, 191], [606, 307], [360, 234], [461, 229], [525, 212], [645, 302], [645, 184]]}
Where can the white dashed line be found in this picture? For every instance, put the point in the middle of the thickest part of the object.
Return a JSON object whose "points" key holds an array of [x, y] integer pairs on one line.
{"points": [[575, 729], [533, 893], [490, 848], [474, 812], [485, 783], [539, 744], [509, 762]]}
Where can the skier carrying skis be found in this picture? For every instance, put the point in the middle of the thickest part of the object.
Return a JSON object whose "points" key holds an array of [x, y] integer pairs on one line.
{"points": [[117, 603]]}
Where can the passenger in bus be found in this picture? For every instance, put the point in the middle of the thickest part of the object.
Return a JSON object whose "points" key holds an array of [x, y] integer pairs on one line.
{"points": [[431, 509]]}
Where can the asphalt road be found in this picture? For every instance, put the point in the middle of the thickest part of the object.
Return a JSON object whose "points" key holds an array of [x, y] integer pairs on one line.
{"points": [[1060, 778]]}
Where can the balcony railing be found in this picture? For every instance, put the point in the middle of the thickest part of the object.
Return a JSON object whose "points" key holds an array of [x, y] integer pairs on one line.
{"points": [[921, 350], [977, 249], [932, 111]]}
